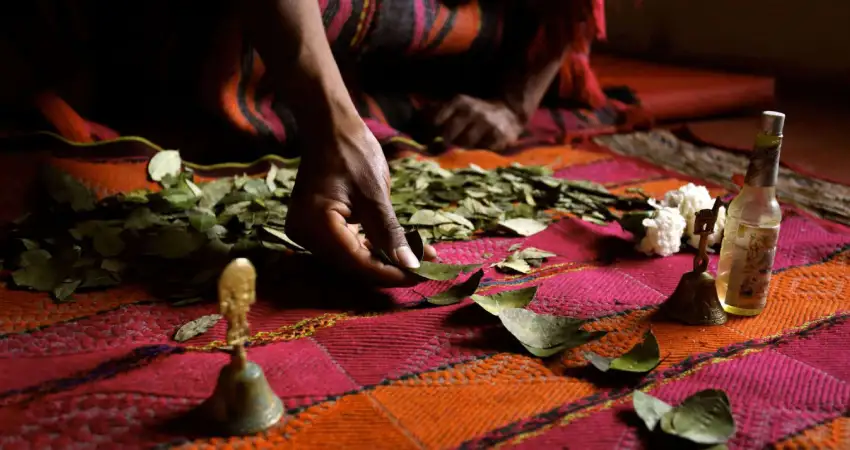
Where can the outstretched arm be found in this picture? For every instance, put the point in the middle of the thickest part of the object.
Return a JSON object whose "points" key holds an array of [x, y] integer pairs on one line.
{"points": [[343, 178]]}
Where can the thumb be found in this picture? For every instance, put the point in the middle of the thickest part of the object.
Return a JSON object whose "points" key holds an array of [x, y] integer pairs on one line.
{"points": [[385, 232]]}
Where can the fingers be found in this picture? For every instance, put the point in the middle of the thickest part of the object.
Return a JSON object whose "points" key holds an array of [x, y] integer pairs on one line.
{"points": [[473, 135], [335, 242], [456, 126], [491, 141], [430, 253], [444, 114], [496, 140], [384, 231], [449, 110], [473, 123]]}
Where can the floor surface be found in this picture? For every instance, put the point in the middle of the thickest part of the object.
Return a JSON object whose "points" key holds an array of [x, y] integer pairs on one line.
{"points": [[817, 134]]}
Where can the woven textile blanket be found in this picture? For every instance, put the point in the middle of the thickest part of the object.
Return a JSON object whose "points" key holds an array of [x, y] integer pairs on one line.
{"points": [[104, 372]]}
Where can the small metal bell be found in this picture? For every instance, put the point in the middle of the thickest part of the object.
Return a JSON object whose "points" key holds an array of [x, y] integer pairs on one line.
{"points": [[695, 301], [243, 402]]}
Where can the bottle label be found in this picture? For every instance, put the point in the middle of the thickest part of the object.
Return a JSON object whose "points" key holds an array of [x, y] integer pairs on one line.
{"points": [[759, 247]]}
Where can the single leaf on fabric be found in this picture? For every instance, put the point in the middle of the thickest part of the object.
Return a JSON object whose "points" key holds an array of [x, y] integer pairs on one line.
{"points": [[65, 189], [522, 261], [451, 231], [179, 197], [578, 339], [428, 217], [523, 226], [240, 181], [165, 163], [279, 234], [99, 278], [233, 210], [64, 290], [69, 255], [138, 196], [460, 220], [271, 176], [539, 330], [457, 292], [40, 277], [535, 253], [87, 229], [143, 218], [649, 409], [642, 358], [546, 352], [600, 362], [34, 257], [594, 220], [703, 418], [174, 242], [442, 272], [107, 241], [214, 191], [202, 219], [513, 264], [518, 298], [275, 246], [29, 244], [400, 199], [196, 327], [113, 265], [256, 187], [632, 222], [216, 233]]}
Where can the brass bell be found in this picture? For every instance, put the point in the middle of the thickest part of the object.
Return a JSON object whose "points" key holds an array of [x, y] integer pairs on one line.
{"points": [[243, 402], [695, 301]]}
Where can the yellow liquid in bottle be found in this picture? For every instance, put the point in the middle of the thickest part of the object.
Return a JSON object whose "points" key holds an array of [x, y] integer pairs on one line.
{"points": [[748, 250]]}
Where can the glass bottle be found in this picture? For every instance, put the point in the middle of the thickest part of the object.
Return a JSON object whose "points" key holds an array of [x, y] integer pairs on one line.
{"points": [[752, 227]]}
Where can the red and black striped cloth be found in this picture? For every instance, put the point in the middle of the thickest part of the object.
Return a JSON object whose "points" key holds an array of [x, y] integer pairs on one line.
{"points": [[162, 62]]}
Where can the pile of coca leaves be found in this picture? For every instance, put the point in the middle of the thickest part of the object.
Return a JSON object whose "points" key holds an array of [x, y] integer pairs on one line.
{"points": [[180, 237]]}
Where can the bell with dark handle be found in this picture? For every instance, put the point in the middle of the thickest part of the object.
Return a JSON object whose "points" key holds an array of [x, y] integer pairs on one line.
{"points": [[695, 301]]}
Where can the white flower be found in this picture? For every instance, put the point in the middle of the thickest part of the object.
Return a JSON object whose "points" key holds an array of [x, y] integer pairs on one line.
{"points": [[663, 232], [689, 199]]}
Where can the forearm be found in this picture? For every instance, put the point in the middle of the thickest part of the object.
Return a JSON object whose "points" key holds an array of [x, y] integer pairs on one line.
{"points": [[538, 63], [525, 87], [290, 37]]}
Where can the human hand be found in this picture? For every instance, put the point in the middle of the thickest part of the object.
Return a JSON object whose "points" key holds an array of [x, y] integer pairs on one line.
{"points": [[344, 181], [474, 123]]}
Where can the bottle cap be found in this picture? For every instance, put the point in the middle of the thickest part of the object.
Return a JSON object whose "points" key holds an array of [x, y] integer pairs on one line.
{"points": [[772, 123]]}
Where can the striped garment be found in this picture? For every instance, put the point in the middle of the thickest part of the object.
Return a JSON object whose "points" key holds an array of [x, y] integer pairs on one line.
{"points": [[160, 50]]}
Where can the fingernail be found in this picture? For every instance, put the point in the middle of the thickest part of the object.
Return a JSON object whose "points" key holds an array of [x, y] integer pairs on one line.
{"points": [[405, 257]]}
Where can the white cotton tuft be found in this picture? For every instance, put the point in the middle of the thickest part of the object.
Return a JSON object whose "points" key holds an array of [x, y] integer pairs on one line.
{"points": [[689, 199], [663, 232]]}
